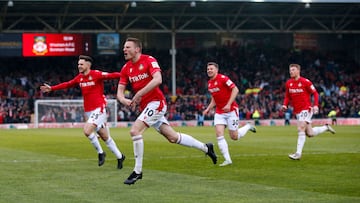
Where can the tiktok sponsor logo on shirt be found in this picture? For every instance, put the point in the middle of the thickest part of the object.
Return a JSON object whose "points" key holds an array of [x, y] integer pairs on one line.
{"points": [[212, 90], [138, 77], [296, 90], [86, 84]]}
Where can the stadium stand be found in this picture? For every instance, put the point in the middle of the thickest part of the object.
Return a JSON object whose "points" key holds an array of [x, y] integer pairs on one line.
{"points": [[259, 73]]}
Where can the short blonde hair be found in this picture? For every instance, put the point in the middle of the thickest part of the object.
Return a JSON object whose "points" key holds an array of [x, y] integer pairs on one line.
{"points": [[136, 41], [295, 65]]}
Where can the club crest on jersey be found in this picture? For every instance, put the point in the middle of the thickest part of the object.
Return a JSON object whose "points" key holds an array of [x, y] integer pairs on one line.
{"points": [[90, 78], [215, 83], [130, 70], [141, 67], [299, 84]]}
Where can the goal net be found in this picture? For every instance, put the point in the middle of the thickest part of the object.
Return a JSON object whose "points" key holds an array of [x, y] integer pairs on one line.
{"points": [[68, 111]]}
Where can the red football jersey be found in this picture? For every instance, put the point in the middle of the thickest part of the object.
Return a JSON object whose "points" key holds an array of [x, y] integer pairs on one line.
{"points": [[139, 74], [220, 88], [298, 93], [92, 87]]}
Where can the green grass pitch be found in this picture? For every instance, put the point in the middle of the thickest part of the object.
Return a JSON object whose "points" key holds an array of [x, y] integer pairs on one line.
{"points": [[60, 165]]}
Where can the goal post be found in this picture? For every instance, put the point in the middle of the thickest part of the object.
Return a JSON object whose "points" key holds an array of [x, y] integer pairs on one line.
{"points": [[48, 111]]}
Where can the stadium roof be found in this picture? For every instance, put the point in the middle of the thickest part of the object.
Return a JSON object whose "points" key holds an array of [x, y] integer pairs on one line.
{"points": [[186, 16]]}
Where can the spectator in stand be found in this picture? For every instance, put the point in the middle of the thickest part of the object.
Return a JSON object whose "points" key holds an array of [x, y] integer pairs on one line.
{"points": [[48, 117], [200, 118], [287, 116], [328, 79], [298, 91], [91, 83], [332, 114], [256, 116]]}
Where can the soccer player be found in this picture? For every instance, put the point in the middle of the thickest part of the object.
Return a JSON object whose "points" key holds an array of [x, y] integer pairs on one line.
{"points": [[92, 88], [144, 75], [298, 93], [223, 93]]}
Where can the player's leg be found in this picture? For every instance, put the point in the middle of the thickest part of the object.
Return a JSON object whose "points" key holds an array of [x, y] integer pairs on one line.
{"points": [[302, 119], [136, 132], [314, 131], [155, 118], [300, 141], [89, 131], [104, 133], [222, 144], [185, 140], [220, 122], [243, 130]]}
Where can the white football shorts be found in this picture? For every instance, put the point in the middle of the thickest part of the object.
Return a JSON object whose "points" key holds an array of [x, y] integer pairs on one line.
{"points": [[97, 117], [304, 115], [154, 117], [230, 119]]}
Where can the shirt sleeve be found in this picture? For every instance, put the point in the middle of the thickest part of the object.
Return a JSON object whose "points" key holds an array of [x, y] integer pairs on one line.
{"points": [[65, 85], [314, 92], [123, 76], [114, 75], [154, 65]]}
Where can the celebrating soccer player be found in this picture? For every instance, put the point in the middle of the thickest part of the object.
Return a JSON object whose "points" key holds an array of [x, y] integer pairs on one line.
{"points": [[223, 94], [144, 75], [298, 93], [92, 88]]}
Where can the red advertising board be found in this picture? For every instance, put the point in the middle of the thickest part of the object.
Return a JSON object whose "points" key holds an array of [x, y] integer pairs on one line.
{"points": [[43, 44]]}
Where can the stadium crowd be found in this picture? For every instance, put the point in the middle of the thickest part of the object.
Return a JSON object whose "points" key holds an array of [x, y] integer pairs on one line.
{"points": [[260, 75]]}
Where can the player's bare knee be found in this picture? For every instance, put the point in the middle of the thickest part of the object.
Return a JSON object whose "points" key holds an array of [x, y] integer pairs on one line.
{"points": [[234, 136], [301, 129], [87, 132], [134, 132], [103, 135], [172, 140], [172, 137], [310, 135]]}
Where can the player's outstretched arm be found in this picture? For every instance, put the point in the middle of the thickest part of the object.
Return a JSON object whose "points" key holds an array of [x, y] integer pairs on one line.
{"points": [[45, 88]]}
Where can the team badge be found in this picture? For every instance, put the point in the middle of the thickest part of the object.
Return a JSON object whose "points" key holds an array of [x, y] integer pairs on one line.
{"points": [[141, 67], [40, 46]]}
